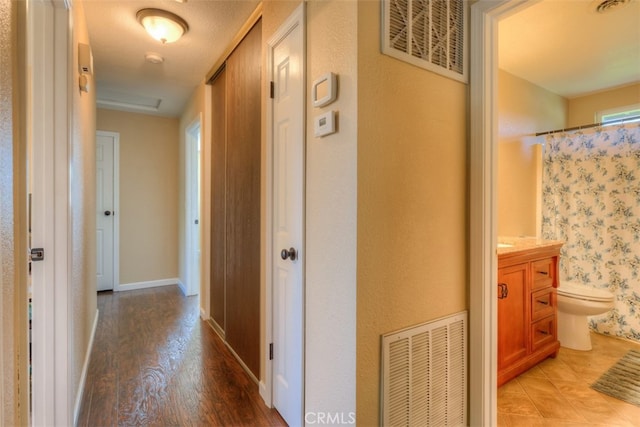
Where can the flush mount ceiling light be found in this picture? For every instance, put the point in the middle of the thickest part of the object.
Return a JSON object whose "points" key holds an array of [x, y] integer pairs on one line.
{"points": [[603, 6], [163, 26]]}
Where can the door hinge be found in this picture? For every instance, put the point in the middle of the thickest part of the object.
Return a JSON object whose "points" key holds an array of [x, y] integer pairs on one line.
{"points": [[36, 254], [272, 90], [271, 351]]}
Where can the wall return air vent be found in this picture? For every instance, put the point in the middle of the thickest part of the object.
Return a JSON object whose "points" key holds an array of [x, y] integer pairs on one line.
{"points": [[424, 374], [430, 34]]}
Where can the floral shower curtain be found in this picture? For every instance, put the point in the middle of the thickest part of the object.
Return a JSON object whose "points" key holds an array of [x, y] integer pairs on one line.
{"points": [[591, 201]]}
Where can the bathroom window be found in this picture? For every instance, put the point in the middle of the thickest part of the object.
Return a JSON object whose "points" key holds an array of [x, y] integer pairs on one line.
{"points": [[430, 34], [630, 113]]}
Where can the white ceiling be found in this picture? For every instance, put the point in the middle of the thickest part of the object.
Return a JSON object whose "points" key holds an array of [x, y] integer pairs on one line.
{"points": [[561, 45], [119, 44], [568, 48]]}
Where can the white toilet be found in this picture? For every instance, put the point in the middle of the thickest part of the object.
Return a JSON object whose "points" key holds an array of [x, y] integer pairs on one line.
{"points": [[575, 302]]}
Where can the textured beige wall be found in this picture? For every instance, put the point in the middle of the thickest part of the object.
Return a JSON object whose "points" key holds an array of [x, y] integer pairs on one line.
{"points": [[582, 110], [7, 331], [412, 201], [523, 110], [149, 203], [13, 406], [331, 214], [82, 211]]}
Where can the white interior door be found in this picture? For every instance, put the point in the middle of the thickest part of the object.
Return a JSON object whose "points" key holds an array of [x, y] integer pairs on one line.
{"points": [[287, 220], [192, 205], [106, 143]]}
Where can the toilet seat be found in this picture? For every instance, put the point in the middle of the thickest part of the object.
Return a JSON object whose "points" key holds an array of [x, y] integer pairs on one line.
{"points": [[578, 291]]}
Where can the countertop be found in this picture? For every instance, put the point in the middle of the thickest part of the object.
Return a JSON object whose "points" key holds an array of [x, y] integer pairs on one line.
{"points": [[518, 244]]}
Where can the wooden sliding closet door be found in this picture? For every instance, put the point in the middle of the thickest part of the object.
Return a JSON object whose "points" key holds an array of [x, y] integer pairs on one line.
{"points": [[243, 198], [235, 198], [218, 198]]}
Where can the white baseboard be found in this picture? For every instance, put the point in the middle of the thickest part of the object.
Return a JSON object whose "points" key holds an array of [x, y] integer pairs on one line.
{"points": [[203, 314], [183, 288], [145, 285], [266, 396], [85, 368]]}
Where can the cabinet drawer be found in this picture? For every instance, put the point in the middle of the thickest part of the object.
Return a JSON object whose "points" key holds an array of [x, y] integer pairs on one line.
{"points": [[543, 303], [543, 272], [543, 332]]}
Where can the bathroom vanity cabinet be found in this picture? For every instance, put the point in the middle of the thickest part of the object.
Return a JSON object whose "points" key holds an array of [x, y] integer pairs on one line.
{"points": [[527, 308]]}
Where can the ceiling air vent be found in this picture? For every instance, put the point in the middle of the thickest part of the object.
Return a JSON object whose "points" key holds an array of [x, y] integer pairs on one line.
{"points": [[427, 33], [609, 5]]}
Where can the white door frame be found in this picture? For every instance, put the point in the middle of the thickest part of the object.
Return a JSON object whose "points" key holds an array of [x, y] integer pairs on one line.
{"points": [[49, 55], [193, 161], [483, 336], [41, 175], [116, 205], [297, 18]]}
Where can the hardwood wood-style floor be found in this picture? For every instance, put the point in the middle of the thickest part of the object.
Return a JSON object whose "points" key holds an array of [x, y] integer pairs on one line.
{"points": [[155, 362]]}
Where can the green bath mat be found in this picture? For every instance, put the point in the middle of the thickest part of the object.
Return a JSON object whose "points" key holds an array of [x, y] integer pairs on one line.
{"points": [[622, 380]]}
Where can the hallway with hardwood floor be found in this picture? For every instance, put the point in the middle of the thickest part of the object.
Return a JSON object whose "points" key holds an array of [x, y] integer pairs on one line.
{"points": [[155, 362]]}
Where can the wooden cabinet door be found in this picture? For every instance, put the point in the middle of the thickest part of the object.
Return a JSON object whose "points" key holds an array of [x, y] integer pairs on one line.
{"points": [[513, 314]]}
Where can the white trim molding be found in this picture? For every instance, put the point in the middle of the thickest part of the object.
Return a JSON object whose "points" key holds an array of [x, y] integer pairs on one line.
{"points": [[85, 369], [148, 284], [44, 200], [483, 332], [183, 288], [61, 339]]}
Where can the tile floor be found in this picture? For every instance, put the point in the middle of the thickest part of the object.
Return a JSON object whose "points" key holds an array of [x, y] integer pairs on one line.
{"points": [[557, 392]]}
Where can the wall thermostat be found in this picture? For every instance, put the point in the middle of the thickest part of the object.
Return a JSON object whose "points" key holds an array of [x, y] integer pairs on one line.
{"points": [[325, 124], [324, 90]]}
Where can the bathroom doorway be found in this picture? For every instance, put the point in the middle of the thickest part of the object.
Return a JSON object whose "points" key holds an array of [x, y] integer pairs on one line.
{"points": [[485, 129]]}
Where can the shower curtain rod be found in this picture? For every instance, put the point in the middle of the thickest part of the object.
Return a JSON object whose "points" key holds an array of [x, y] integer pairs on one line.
{"points": [[592, 125]]}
